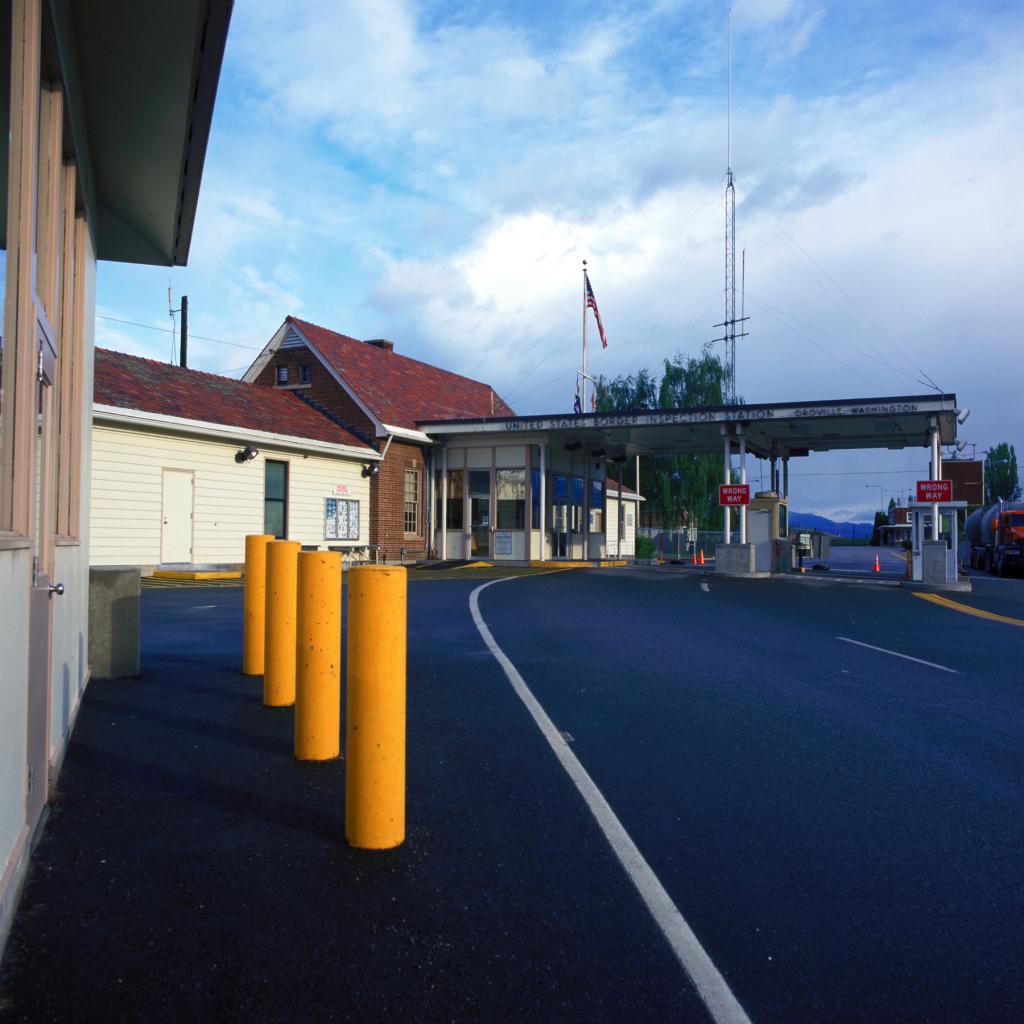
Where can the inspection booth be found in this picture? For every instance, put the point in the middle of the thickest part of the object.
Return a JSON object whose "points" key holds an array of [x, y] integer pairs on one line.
{"points": [[934, 560], [767, 525]]}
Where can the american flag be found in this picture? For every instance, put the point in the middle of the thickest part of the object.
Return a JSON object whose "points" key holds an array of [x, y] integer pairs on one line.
{"points": [[592, 304], [576, 407]]}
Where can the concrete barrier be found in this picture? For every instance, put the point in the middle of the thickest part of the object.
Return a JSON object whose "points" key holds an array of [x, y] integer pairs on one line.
{"points": [[737, 560], [114, 621]]}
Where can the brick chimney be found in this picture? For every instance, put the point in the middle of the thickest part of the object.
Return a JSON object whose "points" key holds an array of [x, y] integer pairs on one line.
{"points": [[388, 346]]}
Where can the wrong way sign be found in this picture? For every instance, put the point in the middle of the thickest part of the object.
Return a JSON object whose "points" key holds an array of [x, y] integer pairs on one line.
{"points": [[935, 491], [734, 494]]}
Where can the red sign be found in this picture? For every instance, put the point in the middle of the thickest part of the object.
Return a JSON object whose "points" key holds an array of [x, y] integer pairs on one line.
{"points": [[734, 494], [935, 491]]}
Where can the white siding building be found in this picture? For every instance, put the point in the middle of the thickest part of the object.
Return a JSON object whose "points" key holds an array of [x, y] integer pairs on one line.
{"points": [[169, 488]]}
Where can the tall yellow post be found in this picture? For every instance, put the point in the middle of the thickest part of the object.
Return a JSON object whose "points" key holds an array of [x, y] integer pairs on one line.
{"points": [[375, 708], [318, 657], [279, 647], [254, 603]]}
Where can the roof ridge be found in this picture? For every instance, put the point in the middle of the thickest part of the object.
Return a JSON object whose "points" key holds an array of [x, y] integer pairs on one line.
{"points": [[173, 366], [397, 355]]}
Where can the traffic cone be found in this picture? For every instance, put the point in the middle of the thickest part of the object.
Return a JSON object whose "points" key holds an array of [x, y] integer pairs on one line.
{"points": [[693, 557], [876, 567], [701, 562]]}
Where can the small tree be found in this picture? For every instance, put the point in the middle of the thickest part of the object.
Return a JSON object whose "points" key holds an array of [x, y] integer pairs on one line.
{"points": [[1001, 481]]}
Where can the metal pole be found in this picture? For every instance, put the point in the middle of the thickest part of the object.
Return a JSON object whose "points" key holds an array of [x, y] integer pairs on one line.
{"points": [[184, 330], [743, 480], [936, 475], [444, 504], [543, 501], [727, 477], [583, 404], [585, 525]]}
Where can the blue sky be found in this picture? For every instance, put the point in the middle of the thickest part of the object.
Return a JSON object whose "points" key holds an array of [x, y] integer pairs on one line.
{"points": [[435, 173]]}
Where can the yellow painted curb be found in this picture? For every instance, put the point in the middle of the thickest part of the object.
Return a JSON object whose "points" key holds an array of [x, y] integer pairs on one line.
{"points": [[478, 565], [955, 606], [167, 574], [596, 564]]}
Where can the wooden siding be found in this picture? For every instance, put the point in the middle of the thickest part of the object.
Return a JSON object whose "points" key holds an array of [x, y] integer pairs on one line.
{"points": [[126, 506]]}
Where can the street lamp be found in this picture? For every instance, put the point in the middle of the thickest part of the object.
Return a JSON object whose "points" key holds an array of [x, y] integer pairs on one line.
{"points": [[881, 491]]}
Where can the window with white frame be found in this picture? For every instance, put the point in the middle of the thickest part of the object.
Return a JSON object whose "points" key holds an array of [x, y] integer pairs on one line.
{"points": [[412, 500]]}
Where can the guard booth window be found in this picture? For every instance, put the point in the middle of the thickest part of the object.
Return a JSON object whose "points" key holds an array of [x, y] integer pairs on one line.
{"points": [[596, 506], [510, 490], [577, 505], [456, 505], [275, 499]]}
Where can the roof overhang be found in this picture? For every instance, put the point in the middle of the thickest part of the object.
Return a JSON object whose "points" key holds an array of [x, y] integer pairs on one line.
{"points": [[147, 74], [771, 430], [139, 420]]}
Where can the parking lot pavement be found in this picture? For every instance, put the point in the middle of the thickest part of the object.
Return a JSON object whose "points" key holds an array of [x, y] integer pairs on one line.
{"points": [[192, 870], [838, 824]]}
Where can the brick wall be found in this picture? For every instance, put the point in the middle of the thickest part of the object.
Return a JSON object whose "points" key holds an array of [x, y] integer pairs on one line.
{"points": [[322, 388], [387, 488], [387, 503]]}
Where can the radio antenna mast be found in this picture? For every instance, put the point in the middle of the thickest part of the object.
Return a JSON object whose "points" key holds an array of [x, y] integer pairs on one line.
{"points": [[731, 320]]}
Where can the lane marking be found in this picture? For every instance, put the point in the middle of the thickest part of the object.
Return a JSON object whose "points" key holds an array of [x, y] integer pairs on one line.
{"points": [[956, 606], [896, 654], [712, 988], [203, 607]]}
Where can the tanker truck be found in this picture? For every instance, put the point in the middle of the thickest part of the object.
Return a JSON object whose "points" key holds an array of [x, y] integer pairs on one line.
{"points": [[995, 538]]}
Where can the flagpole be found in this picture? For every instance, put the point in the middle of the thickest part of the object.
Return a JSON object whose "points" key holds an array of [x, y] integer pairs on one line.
{"points": [[583, 405]]}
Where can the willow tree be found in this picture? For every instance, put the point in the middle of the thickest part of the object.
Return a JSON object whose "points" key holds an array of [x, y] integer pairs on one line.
{"points": [[680, 490]]}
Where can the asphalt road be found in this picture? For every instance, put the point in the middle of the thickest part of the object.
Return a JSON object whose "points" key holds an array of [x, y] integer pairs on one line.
{"points": [[840, 826]]}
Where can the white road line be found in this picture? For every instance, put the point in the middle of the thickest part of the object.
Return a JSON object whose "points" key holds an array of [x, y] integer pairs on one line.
{"points": [[202, 607], [711, 986], [896, 654]]}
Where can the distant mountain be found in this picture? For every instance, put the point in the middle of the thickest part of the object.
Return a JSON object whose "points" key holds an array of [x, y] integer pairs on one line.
{"points": [[809, 521]]}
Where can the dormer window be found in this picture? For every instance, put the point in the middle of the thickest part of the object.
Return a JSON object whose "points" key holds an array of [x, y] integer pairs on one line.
{"points": [[282, 375], [304, 373]]}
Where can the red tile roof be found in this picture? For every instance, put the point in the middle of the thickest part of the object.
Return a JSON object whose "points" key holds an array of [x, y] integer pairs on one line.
{"points": [[613, 485], [399, 391], [131, 382]]}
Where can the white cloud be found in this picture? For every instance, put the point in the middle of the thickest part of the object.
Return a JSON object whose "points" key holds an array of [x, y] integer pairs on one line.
{"points": [[436, 176]]}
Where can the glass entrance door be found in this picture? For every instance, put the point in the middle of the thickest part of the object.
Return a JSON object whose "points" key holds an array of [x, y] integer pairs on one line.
{"points": [[480, 513]]}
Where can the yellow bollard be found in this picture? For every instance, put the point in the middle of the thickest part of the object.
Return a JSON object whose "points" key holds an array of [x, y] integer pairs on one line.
{"points": [[318, 657], [254, 603], [375, 708], [279, 649]]}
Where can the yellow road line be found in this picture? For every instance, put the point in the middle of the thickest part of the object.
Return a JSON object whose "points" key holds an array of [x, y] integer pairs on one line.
{"points": [[967, 609]]}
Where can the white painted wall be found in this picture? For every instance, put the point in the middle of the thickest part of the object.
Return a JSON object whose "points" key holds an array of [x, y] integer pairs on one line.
{"points": [[69, 668], [628, 528], [15, 581], [127, 473]]}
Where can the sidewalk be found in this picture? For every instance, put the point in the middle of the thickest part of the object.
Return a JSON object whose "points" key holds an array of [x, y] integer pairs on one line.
{"points": [[191, 869]]}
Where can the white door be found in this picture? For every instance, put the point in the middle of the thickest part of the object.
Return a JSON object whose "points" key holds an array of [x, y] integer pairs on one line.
{"points": [[176, 543]]}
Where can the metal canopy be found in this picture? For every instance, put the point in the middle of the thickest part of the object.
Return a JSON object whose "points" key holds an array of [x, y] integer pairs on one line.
{"points": [[147, 73], [780, 430]]}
